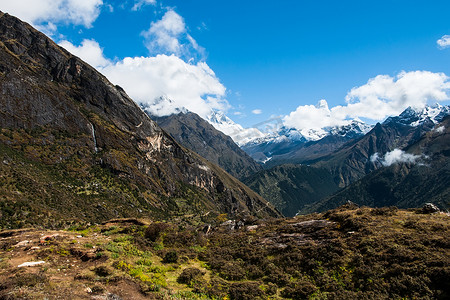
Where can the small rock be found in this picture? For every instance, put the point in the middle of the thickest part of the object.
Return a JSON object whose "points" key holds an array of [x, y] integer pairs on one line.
{"points": [[48, 238], [113, 297], [23, 243], [313, 224], [430, 208], [252, 227], [31, 264]]}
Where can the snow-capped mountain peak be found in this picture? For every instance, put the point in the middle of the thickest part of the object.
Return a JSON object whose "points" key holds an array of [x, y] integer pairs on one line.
{"points": [[351, 130], [414, 117], [239, 134], [163, 106]]}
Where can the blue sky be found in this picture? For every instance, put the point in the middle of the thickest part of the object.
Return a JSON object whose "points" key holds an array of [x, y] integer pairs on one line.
{"points": [[268, 57]]}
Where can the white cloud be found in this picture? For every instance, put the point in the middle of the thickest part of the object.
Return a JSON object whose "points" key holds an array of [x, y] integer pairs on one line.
{"points": [[375, 157], [44, 14], [189, 85], [140, 3], [381, 97], [395, 156], [439, 129], [193, 86], [145, 79], [444, 42], [256, 111], [169, 36], [308, 117], [384, 95], [89, 51]]}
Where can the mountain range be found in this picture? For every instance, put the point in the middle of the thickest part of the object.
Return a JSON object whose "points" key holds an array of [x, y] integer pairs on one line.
{"points": [[301, 168], [94, 148], [419, 175], [349, 162]]}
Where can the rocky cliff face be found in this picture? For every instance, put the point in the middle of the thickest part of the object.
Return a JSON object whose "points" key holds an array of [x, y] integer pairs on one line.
{"points": [[191, 131], [51, 99]]}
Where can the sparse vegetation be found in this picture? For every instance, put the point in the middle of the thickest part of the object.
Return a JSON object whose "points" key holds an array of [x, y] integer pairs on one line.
{"points": [[350, 252]]}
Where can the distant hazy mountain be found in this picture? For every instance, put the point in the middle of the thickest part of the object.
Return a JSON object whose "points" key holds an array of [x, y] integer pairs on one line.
{"points": [[191, 131], [423, 177], [288, 145]]}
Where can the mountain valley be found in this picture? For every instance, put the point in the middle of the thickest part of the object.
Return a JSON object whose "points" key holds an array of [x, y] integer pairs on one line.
{"points": [[105, 197]]}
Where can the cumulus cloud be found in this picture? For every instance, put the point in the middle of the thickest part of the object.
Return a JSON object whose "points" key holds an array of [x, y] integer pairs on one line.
{"points": [[395, 156], [256, 111], [169, 36], [89, 50], [140, 3], [190, 85], [193, 86], [444, 42], [307, 117], [384, 95], [379, 98], [44, 14]]}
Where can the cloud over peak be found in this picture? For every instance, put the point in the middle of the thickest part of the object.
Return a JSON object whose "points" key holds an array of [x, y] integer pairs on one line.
{"points": [[380, 97], [191, 86]]}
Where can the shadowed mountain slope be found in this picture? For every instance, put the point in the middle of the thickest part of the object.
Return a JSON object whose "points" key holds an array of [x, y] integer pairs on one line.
{"points": [[404, 184], [194, 133]]}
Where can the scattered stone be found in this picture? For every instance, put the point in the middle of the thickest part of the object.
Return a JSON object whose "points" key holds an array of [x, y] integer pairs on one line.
{"points": [[113, 297], [232, 224], [430, 208], [48, 238], [23, 243], [313, 223], [252, 227], [31, 264]]}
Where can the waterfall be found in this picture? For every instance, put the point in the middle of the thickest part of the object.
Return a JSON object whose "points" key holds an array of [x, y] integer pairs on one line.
{"points": [[93, 137]]}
